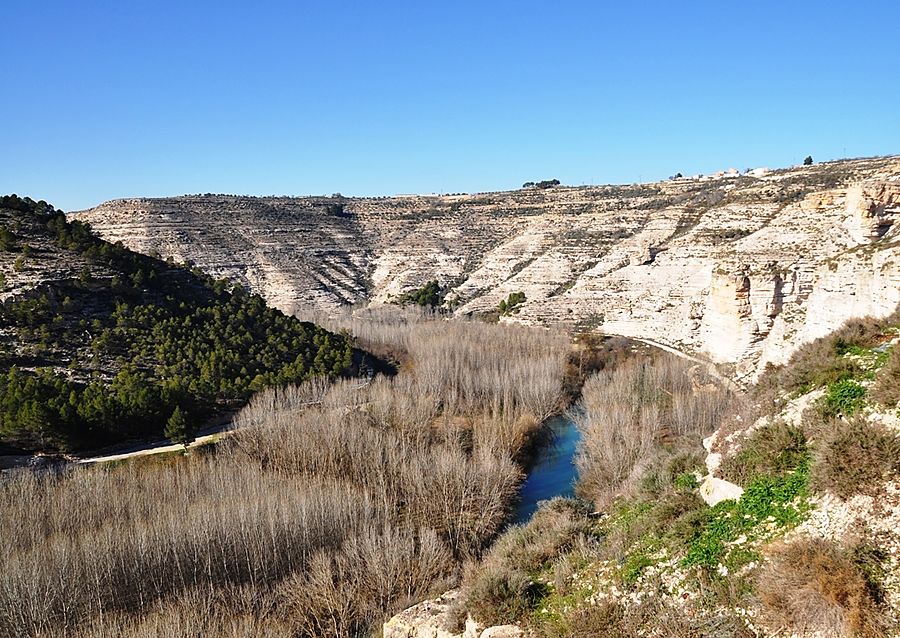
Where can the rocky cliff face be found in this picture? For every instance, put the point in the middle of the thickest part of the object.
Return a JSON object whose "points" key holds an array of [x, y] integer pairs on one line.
{"points": [[739, 268]]}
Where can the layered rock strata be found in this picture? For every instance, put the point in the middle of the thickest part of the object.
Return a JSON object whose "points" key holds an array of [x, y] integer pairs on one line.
{"points": [[737, 268]]}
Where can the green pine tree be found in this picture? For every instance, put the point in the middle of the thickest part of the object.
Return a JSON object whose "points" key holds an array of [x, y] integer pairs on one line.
{"points": [[178, 429]]}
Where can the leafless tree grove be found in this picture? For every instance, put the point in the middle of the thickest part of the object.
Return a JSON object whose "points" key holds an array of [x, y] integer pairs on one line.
{"points": [[637, 411], [330, 506]]}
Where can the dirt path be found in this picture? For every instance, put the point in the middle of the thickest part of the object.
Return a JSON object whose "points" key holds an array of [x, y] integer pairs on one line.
{"points": [[160, 447], [710, 367]]}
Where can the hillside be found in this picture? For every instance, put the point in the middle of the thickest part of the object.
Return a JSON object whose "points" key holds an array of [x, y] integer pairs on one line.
{"points": [[783, 521], [741, 267], [100, 344]]}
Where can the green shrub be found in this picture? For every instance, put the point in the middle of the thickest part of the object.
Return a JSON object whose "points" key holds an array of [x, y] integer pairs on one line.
{"points": [[823, 361], [7, 239], [431, 295], [510, 304], [772, 450], [678, 518], [855, 457], [504, 588], [776, 499], [666, 473], [843, 397], [686, 482], [605, 619]]}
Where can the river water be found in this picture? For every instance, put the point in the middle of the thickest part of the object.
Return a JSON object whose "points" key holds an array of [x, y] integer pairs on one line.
{"points": [[554, 472]]}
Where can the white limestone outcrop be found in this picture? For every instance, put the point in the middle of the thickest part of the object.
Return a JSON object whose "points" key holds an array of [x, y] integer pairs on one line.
{"points": [[739, 269]]}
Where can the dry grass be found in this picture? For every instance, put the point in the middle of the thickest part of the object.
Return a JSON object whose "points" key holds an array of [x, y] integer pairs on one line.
{"points": [[96, 541], [811, 587], [339, 594], [227, 612]]}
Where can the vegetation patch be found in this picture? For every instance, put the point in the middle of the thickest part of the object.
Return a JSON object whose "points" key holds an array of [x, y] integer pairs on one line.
{"points": [[855, 457], [813, 587], [851, 352], [510, 305], [112, 351], [772, 450], [331, 506], [886, 389], [769, 505], [843, 398], [431, 295]]}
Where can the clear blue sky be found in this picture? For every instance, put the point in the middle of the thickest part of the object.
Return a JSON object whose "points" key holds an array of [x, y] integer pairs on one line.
{"points": [[126, 98]]}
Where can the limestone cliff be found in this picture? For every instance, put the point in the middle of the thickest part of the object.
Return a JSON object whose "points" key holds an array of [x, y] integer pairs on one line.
{"points": [[740, 268]]}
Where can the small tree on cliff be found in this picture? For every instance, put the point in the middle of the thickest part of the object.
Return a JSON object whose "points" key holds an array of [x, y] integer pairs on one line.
{"points": [[808, 161], [178, 429]]}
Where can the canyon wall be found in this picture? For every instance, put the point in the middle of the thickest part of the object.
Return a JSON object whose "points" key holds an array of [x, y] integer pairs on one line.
{"points": [[737, 268]]}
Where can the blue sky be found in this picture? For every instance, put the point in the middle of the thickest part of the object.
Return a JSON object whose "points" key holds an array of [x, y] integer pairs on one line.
{"points": [[115, 99]]}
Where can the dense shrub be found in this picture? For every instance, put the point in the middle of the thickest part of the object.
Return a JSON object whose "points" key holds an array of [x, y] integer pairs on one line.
{"points": [[511, 304], [502, 594], [824, 361], [886, 390], [775, 501], [855, 457], [843, 398], [504, 588], [812, 587], [772, 450], [431, 295]]}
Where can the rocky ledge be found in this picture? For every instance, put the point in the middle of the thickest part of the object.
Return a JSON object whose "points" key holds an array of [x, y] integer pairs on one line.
{"points": [[431, 619]]}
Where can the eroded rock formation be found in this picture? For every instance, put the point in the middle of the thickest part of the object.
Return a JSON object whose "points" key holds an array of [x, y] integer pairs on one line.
{"points": [[741, 269]]}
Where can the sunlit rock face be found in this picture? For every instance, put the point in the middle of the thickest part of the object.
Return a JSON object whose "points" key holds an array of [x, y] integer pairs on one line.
{"points": [[739, 268]]}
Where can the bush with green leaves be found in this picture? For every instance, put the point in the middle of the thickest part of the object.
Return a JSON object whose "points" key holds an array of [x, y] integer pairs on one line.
{"points": [[772, 450], [511, 304], [843, 397], [776, 499], [431, 295], [829, 359]]}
